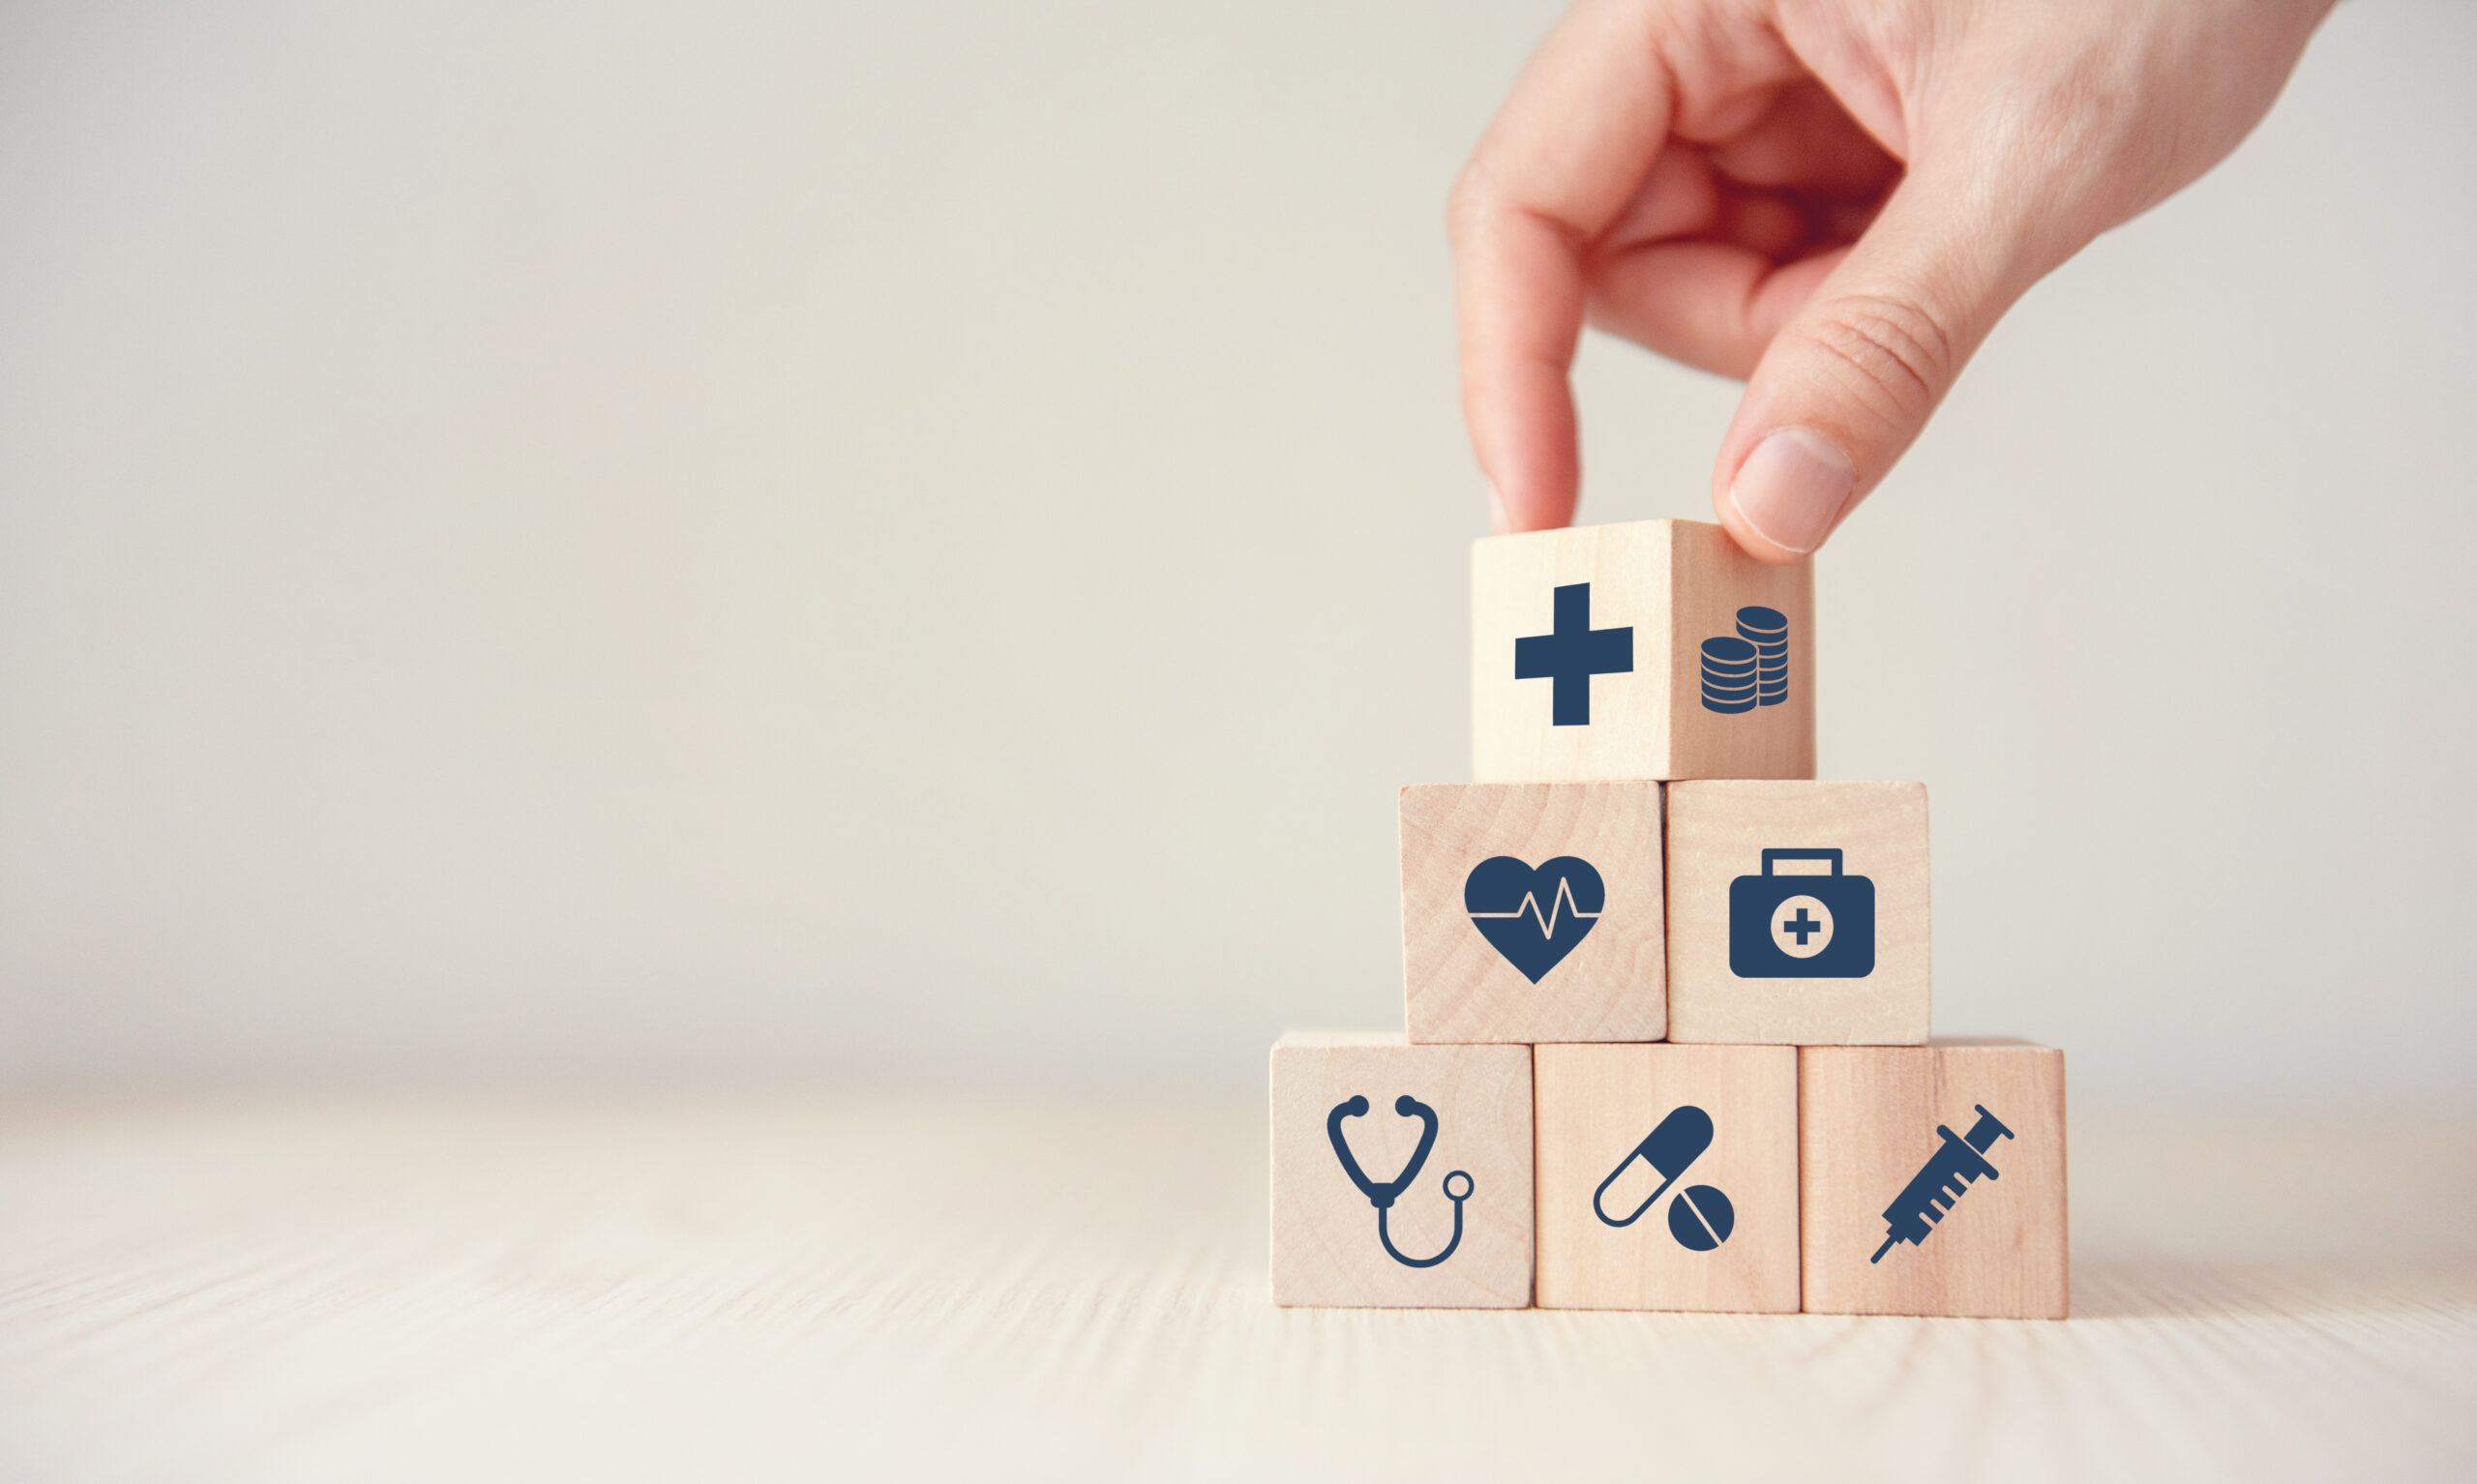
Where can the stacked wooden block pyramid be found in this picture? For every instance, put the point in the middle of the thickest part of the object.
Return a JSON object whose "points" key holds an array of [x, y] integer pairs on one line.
{"points": [[1667, 994]]}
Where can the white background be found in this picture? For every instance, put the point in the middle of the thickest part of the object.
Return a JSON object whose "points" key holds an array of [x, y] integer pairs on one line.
{"points": [[773, 540]]}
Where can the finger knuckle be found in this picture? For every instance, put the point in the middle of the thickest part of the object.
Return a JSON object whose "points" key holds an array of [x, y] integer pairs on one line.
{"points": [[1892, 347]]}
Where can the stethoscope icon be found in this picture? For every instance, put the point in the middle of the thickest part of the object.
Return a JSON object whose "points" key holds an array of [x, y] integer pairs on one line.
{"points": [[1383, 1195]]}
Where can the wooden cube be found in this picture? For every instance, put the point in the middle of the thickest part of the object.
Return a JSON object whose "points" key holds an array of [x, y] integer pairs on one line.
{"points": [[1669, 1177], [1932, 1179], [1797, 913], [1401, 1174], [1532, 912], [1648, 649]]}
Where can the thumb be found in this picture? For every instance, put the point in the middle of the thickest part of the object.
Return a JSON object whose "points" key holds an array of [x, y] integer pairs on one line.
{"points": [[1850, 380]]}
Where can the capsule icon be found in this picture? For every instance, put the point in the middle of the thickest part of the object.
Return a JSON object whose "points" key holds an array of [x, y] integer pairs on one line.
{"points": [[1678, 1141]]}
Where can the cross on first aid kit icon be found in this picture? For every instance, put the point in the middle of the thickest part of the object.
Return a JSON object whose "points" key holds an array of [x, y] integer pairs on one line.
{"points": [[1801, 927]]}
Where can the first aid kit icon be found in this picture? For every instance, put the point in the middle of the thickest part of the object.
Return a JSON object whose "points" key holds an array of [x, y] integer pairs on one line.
{"points": [[1801, 927]]}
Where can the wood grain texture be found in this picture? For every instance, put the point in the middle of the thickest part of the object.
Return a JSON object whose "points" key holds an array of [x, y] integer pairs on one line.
{"points": [[1675, 584], [1871, 1117], [955, 1281], [1595, 1104], [1456, 986], [1327, 1251], [1718, 832]]}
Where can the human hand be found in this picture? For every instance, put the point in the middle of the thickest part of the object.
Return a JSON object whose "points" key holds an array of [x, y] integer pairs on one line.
{"points": [[1835, 199]]}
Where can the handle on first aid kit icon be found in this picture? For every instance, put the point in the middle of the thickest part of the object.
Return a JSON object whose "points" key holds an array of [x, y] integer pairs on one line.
{"points": [[1770, 857]]}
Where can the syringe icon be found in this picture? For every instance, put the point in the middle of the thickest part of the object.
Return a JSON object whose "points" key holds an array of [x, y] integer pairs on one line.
{"points": [[1941, 1181]]}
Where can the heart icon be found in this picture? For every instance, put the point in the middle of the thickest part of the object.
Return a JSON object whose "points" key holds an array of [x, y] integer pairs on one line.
{"points": [[1534, 916]]}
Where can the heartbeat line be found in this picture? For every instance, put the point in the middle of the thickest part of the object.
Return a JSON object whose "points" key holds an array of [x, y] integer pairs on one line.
{"points": [[1563, 904]]}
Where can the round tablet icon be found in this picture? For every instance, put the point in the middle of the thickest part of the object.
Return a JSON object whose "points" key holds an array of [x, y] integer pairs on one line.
{"points": [[1702, 1218], [1801, 927]]}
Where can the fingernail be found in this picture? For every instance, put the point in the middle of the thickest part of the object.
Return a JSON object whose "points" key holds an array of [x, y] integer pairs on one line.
{"points": [[1792, 487], [1496, 510]]}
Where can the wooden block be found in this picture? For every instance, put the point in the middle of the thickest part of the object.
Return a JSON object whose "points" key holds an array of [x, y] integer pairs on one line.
{"points": [[1590, 657], [1669, 1177], [1797, 913], [1400, 1240], [1532, 912], [1932, 1179]]}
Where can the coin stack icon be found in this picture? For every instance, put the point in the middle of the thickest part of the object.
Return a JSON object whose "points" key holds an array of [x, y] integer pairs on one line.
{"points": [[1732, 672], [1768, 631]]}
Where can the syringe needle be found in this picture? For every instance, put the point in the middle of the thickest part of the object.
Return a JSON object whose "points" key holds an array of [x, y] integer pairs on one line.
{"points": [[1880, 1251]]}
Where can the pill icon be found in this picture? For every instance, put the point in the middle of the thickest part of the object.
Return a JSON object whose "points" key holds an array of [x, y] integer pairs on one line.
{"points": [[1677, 1141], [1701, 1219]]}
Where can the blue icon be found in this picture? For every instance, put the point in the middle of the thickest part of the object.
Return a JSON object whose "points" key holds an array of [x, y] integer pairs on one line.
{"points": [[1729, 670], [1571, 654], [1504, 898], [1941, 1182], [1750, 667], [1701, 1217], [1381, 1196], [1801, 927]]}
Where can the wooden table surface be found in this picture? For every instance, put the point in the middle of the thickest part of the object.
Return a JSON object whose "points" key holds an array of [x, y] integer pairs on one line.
{"points": [[603, 1287]]}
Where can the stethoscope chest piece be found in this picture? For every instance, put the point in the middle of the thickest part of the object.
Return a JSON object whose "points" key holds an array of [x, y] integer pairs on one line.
{"points": [[1382, 1193]]}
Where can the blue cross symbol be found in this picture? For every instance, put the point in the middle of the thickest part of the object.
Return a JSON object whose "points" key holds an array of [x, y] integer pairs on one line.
{"points": [[1571, 655], [1801, 925]]}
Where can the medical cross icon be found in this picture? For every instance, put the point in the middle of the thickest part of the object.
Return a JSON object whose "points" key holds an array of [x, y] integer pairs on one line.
{"points": [[1801, 925], [1571, 655]]}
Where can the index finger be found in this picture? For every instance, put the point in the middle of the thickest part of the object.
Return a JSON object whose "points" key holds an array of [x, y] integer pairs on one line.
{"points": [[1559, 161]]}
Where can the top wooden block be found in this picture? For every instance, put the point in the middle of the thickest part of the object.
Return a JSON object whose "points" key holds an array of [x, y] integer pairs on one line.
{"points": [[1648, 649]]}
